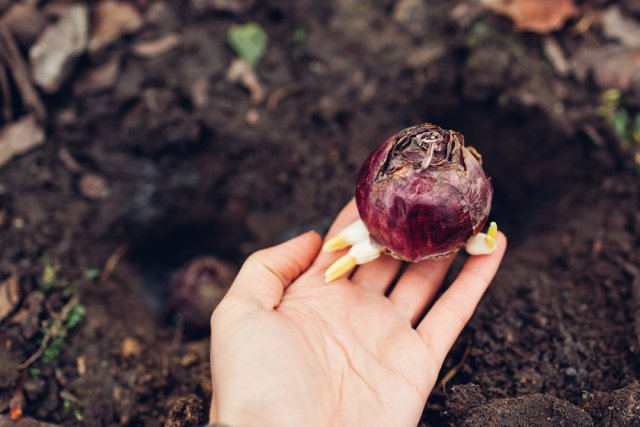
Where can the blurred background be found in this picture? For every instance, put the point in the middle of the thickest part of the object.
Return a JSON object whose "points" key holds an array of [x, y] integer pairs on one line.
{"points": [[148, 146]]}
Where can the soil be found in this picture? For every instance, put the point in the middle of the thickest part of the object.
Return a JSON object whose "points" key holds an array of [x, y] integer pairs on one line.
{"points": [[173, 161]]}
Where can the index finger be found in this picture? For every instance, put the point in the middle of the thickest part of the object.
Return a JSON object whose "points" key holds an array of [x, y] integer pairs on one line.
{"points": [[347, 215], [449, 315]]}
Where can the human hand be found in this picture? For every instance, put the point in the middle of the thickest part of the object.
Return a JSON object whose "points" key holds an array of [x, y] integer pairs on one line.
{"points": [[289, 350]]}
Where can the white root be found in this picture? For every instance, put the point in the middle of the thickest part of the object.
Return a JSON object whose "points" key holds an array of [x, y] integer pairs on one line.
{"points": [[363, 250], [483, 243]]}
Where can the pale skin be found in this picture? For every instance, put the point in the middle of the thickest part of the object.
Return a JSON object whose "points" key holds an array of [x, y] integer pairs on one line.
{"points": [[287, 349]]}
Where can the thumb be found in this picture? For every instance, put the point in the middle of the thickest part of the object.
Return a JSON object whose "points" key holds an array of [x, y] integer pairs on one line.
{"points": [[266, 273]]}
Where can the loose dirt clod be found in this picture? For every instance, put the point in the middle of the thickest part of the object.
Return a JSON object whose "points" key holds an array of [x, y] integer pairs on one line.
{"points": [[187, 176], [618, 408], [93, 186], [188, 411], [535, 409]]}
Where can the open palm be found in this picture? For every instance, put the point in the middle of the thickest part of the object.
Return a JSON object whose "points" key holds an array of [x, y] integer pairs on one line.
{"points": [[290, 350]]}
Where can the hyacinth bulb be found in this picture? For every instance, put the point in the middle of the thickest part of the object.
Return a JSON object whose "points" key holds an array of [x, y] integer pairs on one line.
{"points": [[198, 287], [422, 194]]}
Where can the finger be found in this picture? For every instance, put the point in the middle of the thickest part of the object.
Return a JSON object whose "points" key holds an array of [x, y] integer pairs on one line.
{"points": [[377, 275], [267, 273], [444, 322], [346, 217], [418, 285]]}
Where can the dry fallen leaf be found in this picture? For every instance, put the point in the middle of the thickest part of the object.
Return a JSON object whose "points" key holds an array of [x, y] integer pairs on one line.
{"points": [[19, 137], [8, 296], [60, 44], [97, 79], [538, 16], [609, 66], [618, 26], [112, 20]]}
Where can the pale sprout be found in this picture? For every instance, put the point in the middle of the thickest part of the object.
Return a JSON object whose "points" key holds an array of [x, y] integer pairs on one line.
{"points": [[363, 250]]}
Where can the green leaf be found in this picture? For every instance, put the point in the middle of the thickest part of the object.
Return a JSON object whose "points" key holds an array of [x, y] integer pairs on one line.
{"points": [[621, 123], [636, 129], [53, 350], [611, 99], [91, 274], [249, 41], [300, 35], [35, 372], [75, 316]]}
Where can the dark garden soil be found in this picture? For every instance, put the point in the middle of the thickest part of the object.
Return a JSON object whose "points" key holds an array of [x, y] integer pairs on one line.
{"points": [[169, 160]]}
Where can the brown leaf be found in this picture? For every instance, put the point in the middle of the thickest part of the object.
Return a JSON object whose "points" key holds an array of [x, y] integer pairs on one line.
{"points": [[610, 66], [8, 296], [112, 20], [28, 318], [19, 137], [538, 16], [618, 26]]}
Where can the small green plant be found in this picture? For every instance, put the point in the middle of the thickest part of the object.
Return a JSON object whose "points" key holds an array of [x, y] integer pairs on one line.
{"points": [[249, 41], [51, 280], [72, 407], [57, 330], [91, 274], [300, 35], [586, 395], [625, 124]]}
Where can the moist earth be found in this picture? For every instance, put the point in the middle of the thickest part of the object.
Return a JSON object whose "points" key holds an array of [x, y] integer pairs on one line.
{"points": [[170, 160]]}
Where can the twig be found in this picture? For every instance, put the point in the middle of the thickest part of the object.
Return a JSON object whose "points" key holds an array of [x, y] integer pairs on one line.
{"points": [[7, 100], [281, 93], [584, 24], [51, 332], [112, 262], [20, 72], [178, 332], [453, 371]]}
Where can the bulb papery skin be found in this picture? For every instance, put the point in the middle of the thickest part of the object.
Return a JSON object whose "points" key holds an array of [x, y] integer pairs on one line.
{"points": [[422, 194]]}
